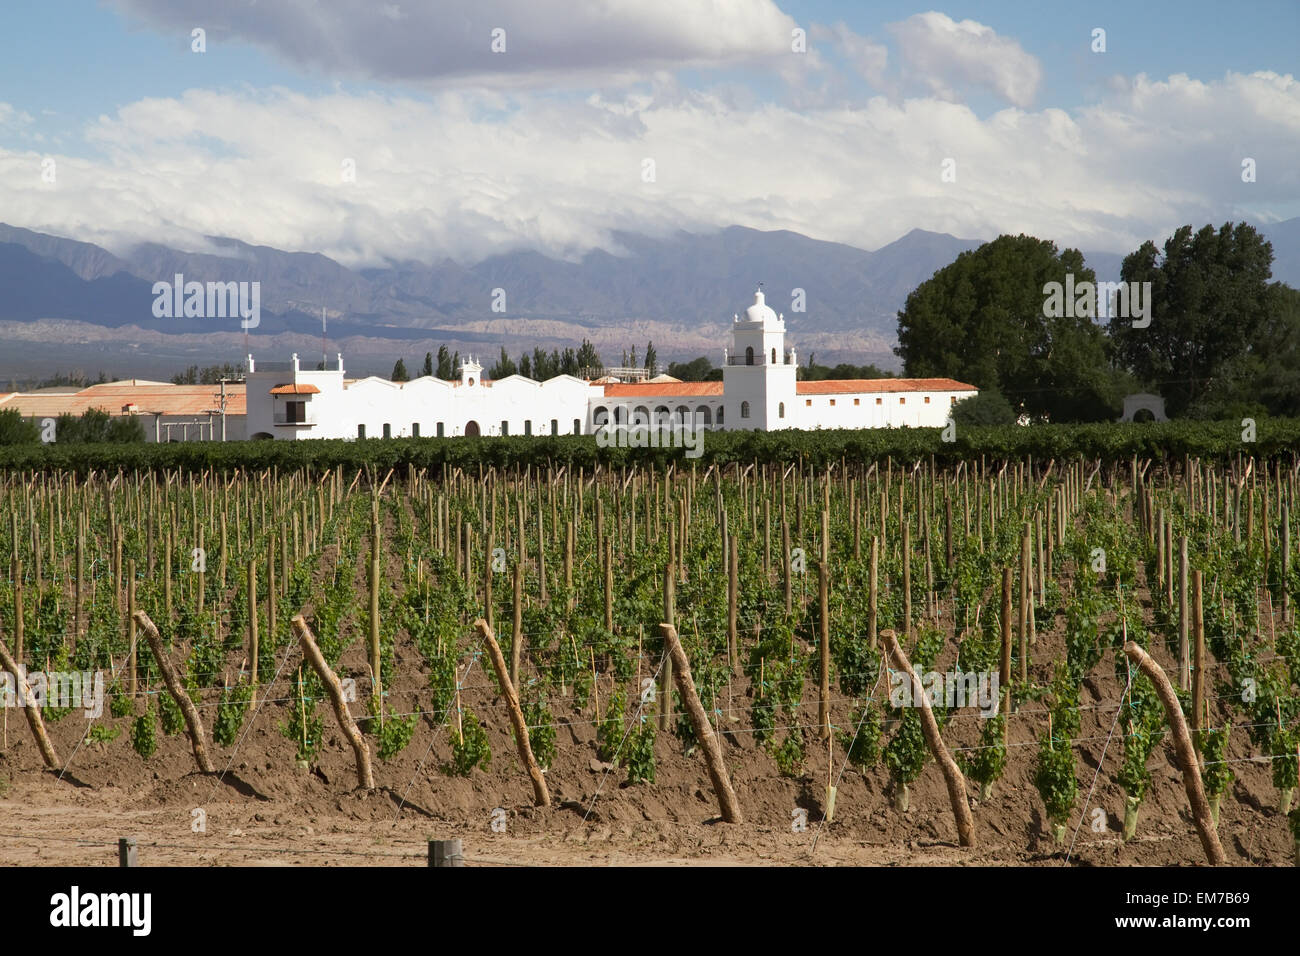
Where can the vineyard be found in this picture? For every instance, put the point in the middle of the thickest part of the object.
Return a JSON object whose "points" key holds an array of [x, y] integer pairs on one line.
{"points": [[784, 584]]}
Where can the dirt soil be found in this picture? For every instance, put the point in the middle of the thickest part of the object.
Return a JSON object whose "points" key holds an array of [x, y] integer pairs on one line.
{"points": [[264, 809]]}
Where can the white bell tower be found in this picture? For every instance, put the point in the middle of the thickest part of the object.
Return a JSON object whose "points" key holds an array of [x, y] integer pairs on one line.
{"points": [[471, 373], [759, 375]]}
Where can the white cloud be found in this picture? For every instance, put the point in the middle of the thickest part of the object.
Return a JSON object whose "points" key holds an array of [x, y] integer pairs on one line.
{"points": [[546, 42], [948, 56], [468, 174], [867, 57]]}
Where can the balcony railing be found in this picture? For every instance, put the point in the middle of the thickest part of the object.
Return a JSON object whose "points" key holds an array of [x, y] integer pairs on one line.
{"points": [[280, 418], [759, 359]]}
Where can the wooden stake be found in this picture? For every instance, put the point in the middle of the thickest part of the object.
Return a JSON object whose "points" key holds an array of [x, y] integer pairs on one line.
{"points": [[177, 690], [952, 775], [360, 750], [1185, 752], [33, 712], [541, 796], [727, 801]]}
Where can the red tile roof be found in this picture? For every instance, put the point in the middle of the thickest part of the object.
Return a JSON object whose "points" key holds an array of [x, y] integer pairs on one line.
{"points": [[114, 397], [295, 390], [866, 385], [665, 389]]}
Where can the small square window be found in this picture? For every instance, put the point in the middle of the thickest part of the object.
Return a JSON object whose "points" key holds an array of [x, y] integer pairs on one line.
{"points": [[832, 401], [857, 401], [880, 401], [927, 399], [954, 400], [902, 400], [808, 402]]}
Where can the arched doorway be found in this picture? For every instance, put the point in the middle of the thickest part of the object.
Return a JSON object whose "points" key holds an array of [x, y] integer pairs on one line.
{"points": [[471, 429]]}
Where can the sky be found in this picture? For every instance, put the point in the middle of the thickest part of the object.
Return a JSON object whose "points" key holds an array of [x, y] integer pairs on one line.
{"points": [[378, 131]]}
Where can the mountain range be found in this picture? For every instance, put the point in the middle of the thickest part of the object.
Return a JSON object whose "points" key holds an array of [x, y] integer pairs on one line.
{"points": [[679, 290]]}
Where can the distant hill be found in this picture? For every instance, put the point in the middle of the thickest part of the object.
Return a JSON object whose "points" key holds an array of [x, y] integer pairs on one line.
{"points": [[691, 282]]}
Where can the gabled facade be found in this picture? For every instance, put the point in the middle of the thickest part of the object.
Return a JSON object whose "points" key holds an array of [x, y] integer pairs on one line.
{"points": [[759, 391]]}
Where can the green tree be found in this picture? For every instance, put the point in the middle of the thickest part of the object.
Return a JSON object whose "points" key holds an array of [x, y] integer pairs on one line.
{"points": [[399, 372], [987, 408], [981, 319], [1210, 299], [446, 370], [587, 358], [427, 369], [16, 430], [1265, 378], [696, 370], [651, 358], [504, 368], [95, 425]]}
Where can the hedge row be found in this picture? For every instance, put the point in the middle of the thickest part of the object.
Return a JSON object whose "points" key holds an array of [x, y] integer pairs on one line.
{"points": [[1108, 442]]}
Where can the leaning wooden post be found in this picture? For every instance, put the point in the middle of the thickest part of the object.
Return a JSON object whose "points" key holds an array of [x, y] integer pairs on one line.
{"points": [[541, 796], [365, 778], [191, 714], [33, 712], [952, 775], [703, 729], [1185, 752]]}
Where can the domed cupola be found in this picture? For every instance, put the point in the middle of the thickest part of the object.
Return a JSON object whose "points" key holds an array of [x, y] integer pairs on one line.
{"points": [[760, 311]]}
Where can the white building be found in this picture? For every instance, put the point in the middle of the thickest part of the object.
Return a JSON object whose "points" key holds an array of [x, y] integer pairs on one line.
{"points": [[758, 391]]}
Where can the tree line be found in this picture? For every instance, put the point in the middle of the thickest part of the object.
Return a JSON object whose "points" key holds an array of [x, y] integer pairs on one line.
{"points": [[92, 427], [1024, 323]]}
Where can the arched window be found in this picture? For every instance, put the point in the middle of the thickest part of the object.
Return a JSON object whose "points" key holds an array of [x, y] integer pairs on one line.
{"points": [[683, 414], [774, 355], [744, 409], [721, 413], [706, 415], [600, 416], [780, 410], [661, 415], [619, 414], [641, 415], [749, 355]]}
